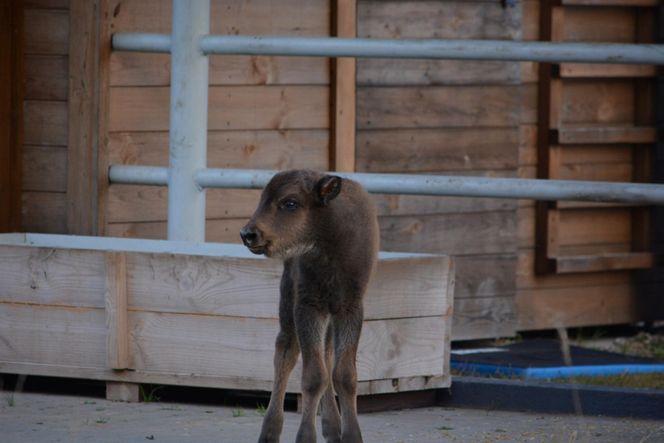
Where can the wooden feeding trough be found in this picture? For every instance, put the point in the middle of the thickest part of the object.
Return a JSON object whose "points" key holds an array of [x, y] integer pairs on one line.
{"points": [[152, 311]]}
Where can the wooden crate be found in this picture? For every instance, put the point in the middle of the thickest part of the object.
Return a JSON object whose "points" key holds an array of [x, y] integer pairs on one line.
{"points": [[151, 311]]}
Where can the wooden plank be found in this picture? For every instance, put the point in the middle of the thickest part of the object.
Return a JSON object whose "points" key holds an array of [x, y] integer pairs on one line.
{"points": [[414, 205], [230, 107], [11, 114], [49, 335], [229, 17], [437, 149], [599, 101], [484, 317], [601, 70], [593, 226], [115, 307], [471, 233], [645, 3], [44, 169], [606, 24], [618, 172], [44, 212], [45, 123], [605, 262], [394, 72], [440, 106], [220, 231], [599, 305], [478, 276], [46, 77], [250, 288], [48, 4], [103, 70], [444, 20], [139, 69], [83, 119], [526, 279], [185, 344], [54, 277], [46, 31], [603, 134], [285, 149], [343, 94]]}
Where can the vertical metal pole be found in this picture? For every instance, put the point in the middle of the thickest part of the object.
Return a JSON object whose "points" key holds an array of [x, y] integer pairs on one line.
{"points": [[188, 124]]}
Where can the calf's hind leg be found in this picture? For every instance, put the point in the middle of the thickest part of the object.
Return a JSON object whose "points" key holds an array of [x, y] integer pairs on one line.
{"points": [[347, 329], [328, 405]]}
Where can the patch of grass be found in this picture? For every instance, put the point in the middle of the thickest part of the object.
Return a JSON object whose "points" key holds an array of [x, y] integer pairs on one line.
{"points": [[238, 413], [643, 381], [11, 402], [149, 396], [261, 409], [101, 421]]}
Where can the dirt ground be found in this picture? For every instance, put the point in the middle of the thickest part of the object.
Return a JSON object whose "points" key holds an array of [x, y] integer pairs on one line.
{"points": [[41, 418]]}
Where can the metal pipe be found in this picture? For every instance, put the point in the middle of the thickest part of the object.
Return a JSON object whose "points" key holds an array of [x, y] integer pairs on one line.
{"points": [[141, 42], [135, 175], [393, 48], [188, 120], [437, 185]]}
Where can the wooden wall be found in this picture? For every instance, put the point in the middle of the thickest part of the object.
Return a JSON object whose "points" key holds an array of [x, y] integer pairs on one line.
{"points": [[447, 117], [264, 112], [45, 116]]}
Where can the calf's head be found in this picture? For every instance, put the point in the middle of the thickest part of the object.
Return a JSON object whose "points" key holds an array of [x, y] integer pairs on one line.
{"points": [[283, 224]]}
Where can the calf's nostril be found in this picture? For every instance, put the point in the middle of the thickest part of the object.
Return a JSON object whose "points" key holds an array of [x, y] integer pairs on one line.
{"points": [[249, 237]]}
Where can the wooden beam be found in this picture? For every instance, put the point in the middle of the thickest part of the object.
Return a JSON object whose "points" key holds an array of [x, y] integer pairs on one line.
{"points": [[11, 115], [83, 106], [342, 130], [115, 301]]}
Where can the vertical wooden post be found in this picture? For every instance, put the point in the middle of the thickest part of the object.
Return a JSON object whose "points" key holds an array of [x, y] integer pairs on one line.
{"points": [[103, 86], [342, 128], [11, 115], [83, 107], [117, 326]]}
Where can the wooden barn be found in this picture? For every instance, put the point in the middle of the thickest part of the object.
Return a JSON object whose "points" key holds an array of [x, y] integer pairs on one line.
{"points": [[71, 107]]}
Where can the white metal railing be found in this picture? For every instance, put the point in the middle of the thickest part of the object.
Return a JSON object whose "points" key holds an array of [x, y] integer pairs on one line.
{"points": [[187, 175]]}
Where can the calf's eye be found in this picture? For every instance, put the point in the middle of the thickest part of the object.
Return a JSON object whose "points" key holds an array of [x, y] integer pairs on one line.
{"points": [[289, 205]]}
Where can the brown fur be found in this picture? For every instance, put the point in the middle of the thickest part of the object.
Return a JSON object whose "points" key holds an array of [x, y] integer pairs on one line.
{"points": [[325, 229]]}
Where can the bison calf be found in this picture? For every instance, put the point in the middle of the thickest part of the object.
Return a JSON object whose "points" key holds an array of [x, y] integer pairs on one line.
{"points": [[325, 229]]}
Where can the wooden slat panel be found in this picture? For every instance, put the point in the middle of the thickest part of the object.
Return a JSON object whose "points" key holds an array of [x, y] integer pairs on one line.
{"points": [[115, 307], [46, 77], [527, 280], [615, 24], [611, 2], [250, 288], [44, 169], [386, 72], [45, 123], [46, 31], [598, 305], [231, 17], [618, 172], [73, 337], [183, 344], [601, 70], [50, 4], [234, 107], [230, 149], [414, 205], [432, 19], [476, 318], [44, 212], [588, 226], [129, 203], [430, 107], [51, 277], [451, 149], [138, 69], [602, 134], [474, 233], [485, 276], [221, 231], [599, 101], [605, 262], [83, 119]]}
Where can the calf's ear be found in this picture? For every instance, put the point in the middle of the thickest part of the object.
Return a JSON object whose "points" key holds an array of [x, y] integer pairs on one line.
{"points": [[328, 188]]}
